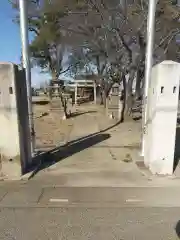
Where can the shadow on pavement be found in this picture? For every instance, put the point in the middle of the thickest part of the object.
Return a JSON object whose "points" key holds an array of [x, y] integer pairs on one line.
{"points": [[76, 114], [47, 159], [41, 102], [97, 133]]}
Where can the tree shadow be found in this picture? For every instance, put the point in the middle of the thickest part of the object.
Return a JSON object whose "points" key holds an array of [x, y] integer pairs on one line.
{"points": [[94, 134], [177, 149], [47, 159], [76, 114], [40, 102], [42, 115]]}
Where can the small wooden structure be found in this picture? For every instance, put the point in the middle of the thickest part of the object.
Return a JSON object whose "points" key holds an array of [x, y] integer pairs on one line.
{"points": [[83, 90]]}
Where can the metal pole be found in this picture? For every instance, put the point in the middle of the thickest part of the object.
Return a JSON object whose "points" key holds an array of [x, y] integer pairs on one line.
{"points": [[27, 67], [119, 103], [76, 89], [95, 93], [149, 63], [123, 4]]}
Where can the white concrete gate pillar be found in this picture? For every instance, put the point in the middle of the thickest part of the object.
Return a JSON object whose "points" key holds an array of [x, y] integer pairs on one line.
{"points": [[162, 117], [15, 139]]}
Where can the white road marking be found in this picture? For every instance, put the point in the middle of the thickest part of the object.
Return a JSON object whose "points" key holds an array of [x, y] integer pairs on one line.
{"points": [[62, 200], [134, 200]]}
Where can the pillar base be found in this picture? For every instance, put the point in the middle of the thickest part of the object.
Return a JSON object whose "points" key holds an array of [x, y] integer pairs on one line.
{"points": [[10, 169]]}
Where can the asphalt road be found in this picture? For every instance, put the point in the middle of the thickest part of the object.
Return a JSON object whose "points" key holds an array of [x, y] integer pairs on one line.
{"points": [[31, 212], [89, 223]]}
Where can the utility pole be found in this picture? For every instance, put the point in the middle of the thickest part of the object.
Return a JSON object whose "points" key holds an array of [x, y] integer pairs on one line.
{"points": [[123, 4], [149, 63], [27, 67]]}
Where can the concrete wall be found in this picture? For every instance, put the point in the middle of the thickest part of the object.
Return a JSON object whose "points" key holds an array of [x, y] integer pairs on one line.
{"points": [[162, 117], [14, 132]]}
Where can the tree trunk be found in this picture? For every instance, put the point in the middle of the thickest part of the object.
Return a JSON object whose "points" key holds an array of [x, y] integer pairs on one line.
{"points": [[64, 104], [123, 98], [128, 95], [63, 101], [120, 105], [104, 98], [138, 85], [101, 96]]}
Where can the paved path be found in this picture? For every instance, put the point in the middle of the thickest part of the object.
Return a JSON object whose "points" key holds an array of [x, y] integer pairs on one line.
{"points": [[96, 146]]}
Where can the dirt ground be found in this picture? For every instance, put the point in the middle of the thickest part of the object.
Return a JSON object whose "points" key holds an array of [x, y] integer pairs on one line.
{"points": [[90, 147], [95, 144], [50, 129]]}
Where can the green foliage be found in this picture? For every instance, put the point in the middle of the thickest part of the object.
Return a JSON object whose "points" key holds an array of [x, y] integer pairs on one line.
{"points": [[46, 48]]}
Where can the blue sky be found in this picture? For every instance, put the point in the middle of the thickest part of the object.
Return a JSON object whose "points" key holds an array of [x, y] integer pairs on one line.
{"points": [[10, 44]]}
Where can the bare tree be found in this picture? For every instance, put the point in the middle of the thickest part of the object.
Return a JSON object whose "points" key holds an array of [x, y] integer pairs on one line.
{"points": [[114, 35], [109, 38]]}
